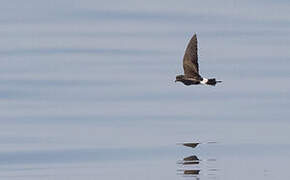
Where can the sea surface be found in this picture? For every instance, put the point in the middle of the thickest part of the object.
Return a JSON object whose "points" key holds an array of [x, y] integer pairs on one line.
{"points": [[87, 90]]}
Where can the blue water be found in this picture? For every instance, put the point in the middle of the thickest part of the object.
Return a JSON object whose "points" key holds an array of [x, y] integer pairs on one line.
{"points": [[87, 89]]}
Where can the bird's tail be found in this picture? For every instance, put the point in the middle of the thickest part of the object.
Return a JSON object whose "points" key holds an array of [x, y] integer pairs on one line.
{"points": [[212, 82]]}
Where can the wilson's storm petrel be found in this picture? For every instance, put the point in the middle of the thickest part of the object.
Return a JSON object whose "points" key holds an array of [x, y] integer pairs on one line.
{"points": [[190, 66]]}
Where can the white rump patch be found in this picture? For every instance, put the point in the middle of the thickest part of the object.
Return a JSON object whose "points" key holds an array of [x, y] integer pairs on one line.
{"points": [[204, 81]]}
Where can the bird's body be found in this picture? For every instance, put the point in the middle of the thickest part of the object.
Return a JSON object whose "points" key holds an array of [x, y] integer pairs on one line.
{"points": [[190, 66]]}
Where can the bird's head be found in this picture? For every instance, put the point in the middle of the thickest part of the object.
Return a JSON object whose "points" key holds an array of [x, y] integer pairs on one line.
{"points": [[179, 78]]}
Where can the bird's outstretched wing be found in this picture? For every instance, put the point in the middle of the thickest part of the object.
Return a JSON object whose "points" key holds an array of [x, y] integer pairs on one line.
{"points": [[190, 59]]}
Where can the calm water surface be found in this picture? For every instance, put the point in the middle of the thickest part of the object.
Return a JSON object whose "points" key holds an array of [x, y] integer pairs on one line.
{"points": [[87, 90]]}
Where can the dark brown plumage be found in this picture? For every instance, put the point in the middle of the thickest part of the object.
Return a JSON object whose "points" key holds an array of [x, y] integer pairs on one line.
{"points": [[190, 66], [190, 60]]}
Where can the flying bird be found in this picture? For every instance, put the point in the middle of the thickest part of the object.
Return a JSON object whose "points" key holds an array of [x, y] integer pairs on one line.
{"points": [[190, 66]]}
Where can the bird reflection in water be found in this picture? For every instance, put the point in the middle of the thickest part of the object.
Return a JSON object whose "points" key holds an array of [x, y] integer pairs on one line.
{"points": [[190, 166], [192, 145], [189, 160], [191, 172]]}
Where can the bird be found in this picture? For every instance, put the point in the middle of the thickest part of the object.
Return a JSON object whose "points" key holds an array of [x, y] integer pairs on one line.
{"points": [[190, 66]]}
